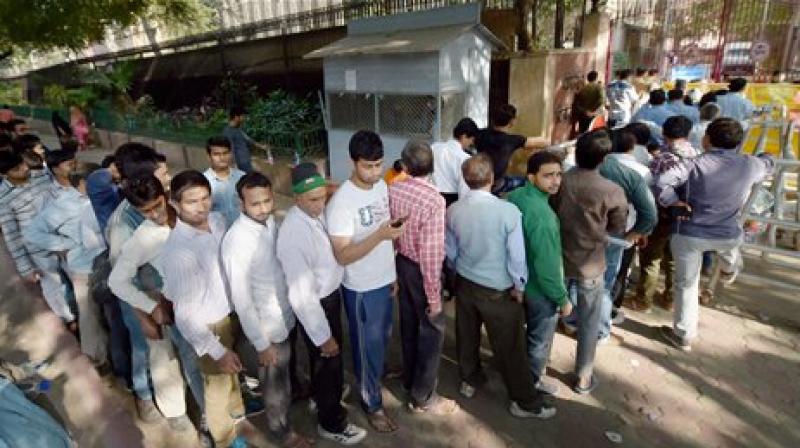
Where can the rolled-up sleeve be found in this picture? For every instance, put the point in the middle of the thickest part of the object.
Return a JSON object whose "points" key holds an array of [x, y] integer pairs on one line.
{"points": [[432, 252]]}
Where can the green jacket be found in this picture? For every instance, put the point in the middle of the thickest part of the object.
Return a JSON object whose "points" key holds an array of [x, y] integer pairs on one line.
{"points": [[636, 191], [542, 232]]}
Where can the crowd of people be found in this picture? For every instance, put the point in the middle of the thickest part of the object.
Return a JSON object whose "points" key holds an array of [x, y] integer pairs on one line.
{"points": [[174, 282]]}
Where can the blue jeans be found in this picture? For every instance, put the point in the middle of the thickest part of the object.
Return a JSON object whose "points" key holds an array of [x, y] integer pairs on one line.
{"points": [[189, 365], [140, 365], [542, 319], [369, 318], [587, 297], [613, 261]]}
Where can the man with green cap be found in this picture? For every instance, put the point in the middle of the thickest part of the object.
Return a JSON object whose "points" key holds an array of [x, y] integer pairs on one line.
{"points": [[313, 278]]}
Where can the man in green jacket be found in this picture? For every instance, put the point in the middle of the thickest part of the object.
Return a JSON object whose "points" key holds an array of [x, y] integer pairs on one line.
{"points": [[545, 292]]}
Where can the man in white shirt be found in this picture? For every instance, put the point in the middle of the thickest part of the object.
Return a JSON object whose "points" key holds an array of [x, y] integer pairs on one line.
{"points": [[622, 98], [448, 157], [223, 177], [361, 233], [313, 278], [194, 282], [136, 278], [734, 104], [260, 299], [708, 113]]}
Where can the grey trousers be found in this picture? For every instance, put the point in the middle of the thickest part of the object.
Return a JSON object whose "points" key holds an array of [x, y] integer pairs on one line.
{"points": [[588, 295], [276, 391], [687, 251]]}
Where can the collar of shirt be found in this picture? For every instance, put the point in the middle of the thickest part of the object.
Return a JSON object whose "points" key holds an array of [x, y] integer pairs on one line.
{"points": [[423, 182], [185, 230], [254, 225], [213, 174], [534, 190], [480, 194], [316, 223]]}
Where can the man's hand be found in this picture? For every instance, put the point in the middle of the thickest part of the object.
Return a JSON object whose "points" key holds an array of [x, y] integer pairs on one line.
{"points": [[517, 295], [161, 315], [269, 356], [642, 242], [566, 309], [434, 309], [387, 232], [33, 277], [329, 348], [229, 363], [686, 213]]}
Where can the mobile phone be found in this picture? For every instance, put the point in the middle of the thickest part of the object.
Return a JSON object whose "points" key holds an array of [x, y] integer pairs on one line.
{"points": [[398, 222]]}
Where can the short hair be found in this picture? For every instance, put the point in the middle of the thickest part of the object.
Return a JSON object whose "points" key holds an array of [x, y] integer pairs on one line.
{"points": [[26, 141], [592, 148], [624, 73], [417, 158], [737, 84], [143, 190], [640, 130], [236, 111], [708, 97], [136, 160], [253, 179], [57, 157], [725, 133], [502, 115], [81, 173], [624, 141], [219, 141], [107, 161], [675, 94], [397, 166], [12, 123], [592, 76], [366, 145], [9, 160], [709, 111], [641, 71], [466, 127], [540, 158], [677, 126], [478, 171], [186, 180], [652, 72], [657, 97]]}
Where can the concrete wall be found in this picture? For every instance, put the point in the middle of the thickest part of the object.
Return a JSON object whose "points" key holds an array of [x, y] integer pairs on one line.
{"points": [[465, 66]]}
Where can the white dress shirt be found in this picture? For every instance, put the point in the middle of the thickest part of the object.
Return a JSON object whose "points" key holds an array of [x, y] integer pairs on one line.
{"points": [[145, 246], [256, 280], [447, 159], [194, 282], [735, 105], [312, 272]]}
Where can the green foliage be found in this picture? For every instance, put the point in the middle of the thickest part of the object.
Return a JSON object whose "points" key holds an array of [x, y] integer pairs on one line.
{"points": [[280, 113], [232, 91], [11, 92]]}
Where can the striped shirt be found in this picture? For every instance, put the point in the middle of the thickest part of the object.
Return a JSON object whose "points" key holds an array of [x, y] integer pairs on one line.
{"points": [[18, 206]]}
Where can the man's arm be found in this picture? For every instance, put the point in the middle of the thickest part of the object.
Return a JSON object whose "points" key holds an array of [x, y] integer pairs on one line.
{"points": [[668, 182], [237, 261], [41, 234], [14, 241], [341, 231], [432, 253], [617, 212], [121, 280], [517, 265]]}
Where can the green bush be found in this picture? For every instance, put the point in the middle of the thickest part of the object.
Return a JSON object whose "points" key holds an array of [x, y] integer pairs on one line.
{"points": [[281, 113]]}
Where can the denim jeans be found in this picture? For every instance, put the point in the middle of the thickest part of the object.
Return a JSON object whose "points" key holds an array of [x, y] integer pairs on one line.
{"points": [[369, 319], [588, 296], [542, 320], [139, 354], [613, 260], [189, 365], [119, 345], [687, 252]]}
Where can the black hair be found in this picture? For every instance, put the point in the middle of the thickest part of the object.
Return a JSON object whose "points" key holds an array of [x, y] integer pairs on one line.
{"points": [[219, 141], [675, 94], [366, 145], [465, 126], [640, 130], [5, 141], [540, 158], [9, 160], [253, 179], [143, 190], [13, 123], [397, 166], [69, 145], [624, 141], [737, 84], [82, 172], [677, 126], [136, 160], [657, 97], [25, 142], [708, 97], [417, 158], [57, 157], [592, 76], [107, 161], [236, 111], [709, 111], [591, 148], [185, 180], [502, 115], [725, 133], [624, 73], [641, 71]]}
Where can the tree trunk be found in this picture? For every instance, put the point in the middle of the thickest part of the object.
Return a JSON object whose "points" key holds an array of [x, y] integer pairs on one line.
{"points": [[559, 25], [525, 26]]}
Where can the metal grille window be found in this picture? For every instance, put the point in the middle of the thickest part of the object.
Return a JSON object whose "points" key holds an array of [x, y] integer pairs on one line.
{"points": [[410, 116], [454, 108], [353, 111]]}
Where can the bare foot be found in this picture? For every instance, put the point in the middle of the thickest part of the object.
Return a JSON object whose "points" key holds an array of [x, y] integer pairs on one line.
{"points": [[295, 440], [381, 422]]}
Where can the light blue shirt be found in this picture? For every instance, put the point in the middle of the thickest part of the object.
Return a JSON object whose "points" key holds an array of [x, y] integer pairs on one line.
{"points": [[484, 240], [655, 114], [68, 224], [678, 108], [226, 199], [736, 106]]}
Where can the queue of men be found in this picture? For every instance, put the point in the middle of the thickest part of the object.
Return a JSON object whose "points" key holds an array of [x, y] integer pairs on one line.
{"points": [[164, 279]]}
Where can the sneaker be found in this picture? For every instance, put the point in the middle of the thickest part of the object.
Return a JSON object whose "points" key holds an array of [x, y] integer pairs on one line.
{"points": [[179, 424], [466, 390], [351, 434], [547, 387], [727, 278], [617, 316], [544, 412], [668, 334], [147, 410], [312, 405]]}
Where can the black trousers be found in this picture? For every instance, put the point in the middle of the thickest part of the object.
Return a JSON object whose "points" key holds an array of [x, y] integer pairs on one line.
{"points": [[621, 283], [422, 336], [327, 374]]}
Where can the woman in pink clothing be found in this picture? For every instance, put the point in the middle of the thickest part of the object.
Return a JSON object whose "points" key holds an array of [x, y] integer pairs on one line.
{"points": [[80, 127]]}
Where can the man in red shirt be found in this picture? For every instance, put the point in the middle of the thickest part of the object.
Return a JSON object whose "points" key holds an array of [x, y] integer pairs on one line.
{"points": [[417, 203]]}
